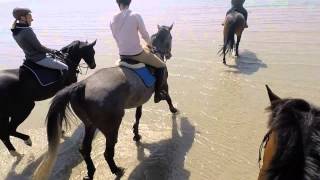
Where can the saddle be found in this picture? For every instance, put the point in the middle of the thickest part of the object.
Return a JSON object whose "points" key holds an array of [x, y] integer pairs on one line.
{"points": [[45, 76], [145, 73]]}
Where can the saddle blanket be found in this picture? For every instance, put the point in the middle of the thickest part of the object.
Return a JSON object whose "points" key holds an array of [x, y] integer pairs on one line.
{"points": [[45, 76], [141, 70]]}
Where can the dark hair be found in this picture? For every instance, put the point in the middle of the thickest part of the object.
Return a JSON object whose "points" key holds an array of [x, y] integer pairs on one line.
{"points": [[124, 2]]}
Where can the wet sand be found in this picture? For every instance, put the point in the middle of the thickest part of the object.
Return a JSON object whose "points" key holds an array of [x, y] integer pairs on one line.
{"points": [[222, 116]]}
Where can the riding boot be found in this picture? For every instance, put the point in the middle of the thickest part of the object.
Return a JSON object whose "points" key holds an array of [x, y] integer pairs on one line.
{"points": [[159, 92]]}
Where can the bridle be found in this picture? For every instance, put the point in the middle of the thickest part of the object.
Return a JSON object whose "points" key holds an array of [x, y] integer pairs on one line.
{"points": [[263, 145], [64, 57]]}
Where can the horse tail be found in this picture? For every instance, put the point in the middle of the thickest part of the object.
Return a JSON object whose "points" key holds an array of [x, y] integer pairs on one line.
{"points": [[229, 41], [58, 112]]}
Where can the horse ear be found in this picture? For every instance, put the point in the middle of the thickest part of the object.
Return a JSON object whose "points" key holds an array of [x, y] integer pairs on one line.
{"points": [[170, 28], [93, 43], [272, 96]]}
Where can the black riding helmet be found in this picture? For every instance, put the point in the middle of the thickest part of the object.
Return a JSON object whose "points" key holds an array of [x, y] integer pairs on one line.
{"points": [[18, 12]]}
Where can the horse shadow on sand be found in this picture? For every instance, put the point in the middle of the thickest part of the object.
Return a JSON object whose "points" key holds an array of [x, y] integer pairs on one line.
{"points": [[67, 160], [246, 63], [166, 157]]}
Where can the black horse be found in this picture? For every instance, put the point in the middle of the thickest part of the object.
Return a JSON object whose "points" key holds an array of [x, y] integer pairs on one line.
{"points": [[292, 145], [19, 90], [100, 102]]}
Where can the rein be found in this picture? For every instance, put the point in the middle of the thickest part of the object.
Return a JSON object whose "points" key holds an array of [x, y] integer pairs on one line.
{"points": [[63, 57], [160, 53], [82, 66], [263, 145]]}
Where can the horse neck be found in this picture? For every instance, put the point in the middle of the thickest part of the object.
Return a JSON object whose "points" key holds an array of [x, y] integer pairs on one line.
{"points": [[73, 63]]}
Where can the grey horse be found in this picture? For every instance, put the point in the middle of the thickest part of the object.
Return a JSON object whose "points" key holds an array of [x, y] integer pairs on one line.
{"points": [[100, 102]]}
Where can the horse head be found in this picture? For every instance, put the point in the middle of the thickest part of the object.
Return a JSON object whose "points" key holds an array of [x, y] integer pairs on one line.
{"points": [[78, 50], [162, 42], [292, 139]]}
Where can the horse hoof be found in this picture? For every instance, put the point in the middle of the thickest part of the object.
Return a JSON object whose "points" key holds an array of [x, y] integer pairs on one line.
{"points": [[137, 138], [15, 154], [173, 110], [120, 172], [28, 142], [224, 62], [87, 178]]}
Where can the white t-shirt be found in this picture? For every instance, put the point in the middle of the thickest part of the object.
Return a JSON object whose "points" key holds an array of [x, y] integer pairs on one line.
{"points": [[125, 27]]}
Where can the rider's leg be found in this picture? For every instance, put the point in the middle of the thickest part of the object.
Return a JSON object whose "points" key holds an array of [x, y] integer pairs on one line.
{"points": [[159, 91], [150, 59]]}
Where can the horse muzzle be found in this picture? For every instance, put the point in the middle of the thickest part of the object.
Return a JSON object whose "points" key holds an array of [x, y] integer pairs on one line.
{"points": [[168, 55], [92, 65]]}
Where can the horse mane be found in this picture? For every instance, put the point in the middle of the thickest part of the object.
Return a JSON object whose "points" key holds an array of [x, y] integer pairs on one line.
{"points": [[297, 125]]}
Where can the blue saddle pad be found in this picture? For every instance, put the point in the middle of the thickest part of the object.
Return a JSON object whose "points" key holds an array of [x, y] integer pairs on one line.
{"points": [[146, 76], [45, 76]]}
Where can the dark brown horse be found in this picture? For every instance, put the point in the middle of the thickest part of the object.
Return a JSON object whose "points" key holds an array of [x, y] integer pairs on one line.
{"points": [[292, 145], [234, 24], [100, 102], [18, 94]]}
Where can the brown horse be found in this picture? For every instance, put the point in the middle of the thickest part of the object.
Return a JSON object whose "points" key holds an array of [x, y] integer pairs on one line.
{"points": [[234, 24], [292, 145], [100, 102]]}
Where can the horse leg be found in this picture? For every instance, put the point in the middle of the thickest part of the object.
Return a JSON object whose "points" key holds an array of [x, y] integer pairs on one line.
{"points": [[237, 45], [85, 151], [137, 136], [17, 119], [168, 99], [111, 141], [224, 54], [171, 107], [4, 136], [111, 134]]}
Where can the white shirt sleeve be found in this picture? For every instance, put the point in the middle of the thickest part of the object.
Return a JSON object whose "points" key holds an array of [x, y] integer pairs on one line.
{"points": [[142, 30], [112, 29]]}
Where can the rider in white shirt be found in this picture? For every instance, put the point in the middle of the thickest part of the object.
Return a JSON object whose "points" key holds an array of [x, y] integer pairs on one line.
{"points": [[125, 27]]}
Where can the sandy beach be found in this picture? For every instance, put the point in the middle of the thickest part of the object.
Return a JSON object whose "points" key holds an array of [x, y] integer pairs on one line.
{"points": [[222, 116]]}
